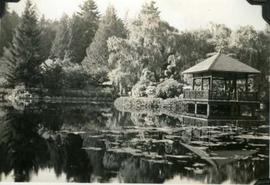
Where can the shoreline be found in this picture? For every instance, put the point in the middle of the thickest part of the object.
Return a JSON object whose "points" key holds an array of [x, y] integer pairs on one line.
{"points": [[170, 106], [64, 96]]}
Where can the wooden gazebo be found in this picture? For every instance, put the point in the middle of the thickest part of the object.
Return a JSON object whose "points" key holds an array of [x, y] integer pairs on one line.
{"points": [[222, 87]]}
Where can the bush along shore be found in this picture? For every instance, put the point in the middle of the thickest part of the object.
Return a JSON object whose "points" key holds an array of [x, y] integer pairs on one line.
{"points": [[170, 106]]}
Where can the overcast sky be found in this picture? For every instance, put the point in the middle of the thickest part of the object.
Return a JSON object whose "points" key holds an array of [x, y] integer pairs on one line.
{"points": [[182, 14]]}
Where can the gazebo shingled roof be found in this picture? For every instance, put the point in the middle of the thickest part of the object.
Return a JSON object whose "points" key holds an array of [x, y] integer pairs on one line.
{"points": [[221, 63]]}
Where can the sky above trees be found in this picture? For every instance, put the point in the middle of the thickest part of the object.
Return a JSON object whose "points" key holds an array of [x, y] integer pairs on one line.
{"points": [[182, 14]]}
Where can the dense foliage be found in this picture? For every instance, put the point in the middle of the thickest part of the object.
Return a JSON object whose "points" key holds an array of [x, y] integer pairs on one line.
{"points": [[48, 32], [146, 85], [7, 27], [83, 26], [8, 24], [61, 75], [96, 61], [23, 57], [102, 47], [170, 88], [61, 40]]}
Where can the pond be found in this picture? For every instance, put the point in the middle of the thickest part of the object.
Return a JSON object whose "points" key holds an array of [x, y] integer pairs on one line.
{"points": [[97, 143]]}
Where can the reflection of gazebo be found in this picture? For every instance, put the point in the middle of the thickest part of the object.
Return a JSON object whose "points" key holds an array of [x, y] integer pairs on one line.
{"points": [[222, 87]]}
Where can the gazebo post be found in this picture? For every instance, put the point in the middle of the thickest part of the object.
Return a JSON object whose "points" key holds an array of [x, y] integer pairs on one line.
{"points": [[208, 110], [201, 83], [225, 84], [195, 108], [193, 82], [211, 86], [235, 86], [246, 82]]}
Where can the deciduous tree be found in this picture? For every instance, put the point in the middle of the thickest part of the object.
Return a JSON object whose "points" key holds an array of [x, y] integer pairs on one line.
{"points": [[96, 61], [220, 37]]}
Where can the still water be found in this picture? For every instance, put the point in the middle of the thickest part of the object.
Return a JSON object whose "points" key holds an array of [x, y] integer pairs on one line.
{"points": [[97, 143]]}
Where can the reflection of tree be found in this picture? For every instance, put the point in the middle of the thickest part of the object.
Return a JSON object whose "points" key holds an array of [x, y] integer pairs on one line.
{"points": [[30, 142], [67, 156], [168, 121], [77, 166], [96, 158], [57, 155], [140, 119], [238, 172], [25, 150], [85, 118], [136, 170], [52, 117], [119, 119]]}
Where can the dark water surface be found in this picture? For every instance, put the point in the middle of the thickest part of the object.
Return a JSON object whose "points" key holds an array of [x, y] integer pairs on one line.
{"points": [[96, 143]]}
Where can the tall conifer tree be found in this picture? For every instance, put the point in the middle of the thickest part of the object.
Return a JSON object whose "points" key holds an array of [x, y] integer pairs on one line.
{"points": [[7, 27], [96, 61], [48, 33], [83, 27], [60, 43], [22, 59]]}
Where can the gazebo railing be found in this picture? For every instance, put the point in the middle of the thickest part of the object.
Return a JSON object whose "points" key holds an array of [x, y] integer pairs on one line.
{"points": [[220, 95], [194, 94], [248, 96]]}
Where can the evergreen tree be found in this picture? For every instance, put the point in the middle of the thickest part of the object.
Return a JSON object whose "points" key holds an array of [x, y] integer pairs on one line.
{"points": [[96, 61], [48, 32], [82, 29], [60, 43], [22, 58], [7, 27], [147, 28]]}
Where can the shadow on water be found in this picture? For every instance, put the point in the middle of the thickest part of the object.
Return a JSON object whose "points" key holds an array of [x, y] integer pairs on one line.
{"points": [[96, 143]]}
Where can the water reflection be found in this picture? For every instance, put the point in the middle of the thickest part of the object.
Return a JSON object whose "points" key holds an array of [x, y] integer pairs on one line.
{"points": [[96, 143]]}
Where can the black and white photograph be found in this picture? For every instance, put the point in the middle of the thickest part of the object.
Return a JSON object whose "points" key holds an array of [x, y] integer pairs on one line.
{"points": [[134, 91]]}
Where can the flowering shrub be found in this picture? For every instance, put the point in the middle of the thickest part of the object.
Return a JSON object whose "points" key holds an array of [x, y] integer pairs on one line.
{"points": [[170, 88], [145, 86]]}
